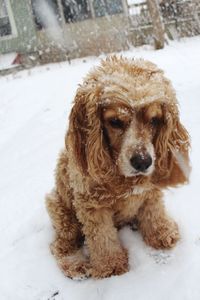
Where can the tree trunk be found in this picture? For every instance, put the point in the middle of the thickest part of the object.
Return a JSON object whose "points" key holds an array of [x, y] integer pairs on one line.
{"points": [[158, 25]]}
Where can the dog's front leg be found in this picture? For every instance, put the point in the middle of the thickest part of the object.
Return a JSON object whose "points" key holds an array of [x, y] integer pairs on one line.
{"points": [[158, 229], [107, 256]]}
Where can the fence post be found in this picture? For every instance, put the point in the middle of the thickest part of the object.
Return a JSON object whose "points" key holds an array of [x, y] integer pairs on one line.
{"points": [[125, 7], [91, 8], [158, 25]]}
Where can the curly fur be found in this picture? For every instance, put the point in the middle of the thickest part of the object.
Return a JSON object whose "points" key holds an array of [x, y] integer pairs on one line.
{"points": [[93, 197]]}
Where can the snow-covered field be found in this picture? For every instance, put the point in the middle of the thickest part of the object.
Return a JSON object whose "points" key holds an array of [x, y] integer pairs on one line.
{"points": [[34, 108]]}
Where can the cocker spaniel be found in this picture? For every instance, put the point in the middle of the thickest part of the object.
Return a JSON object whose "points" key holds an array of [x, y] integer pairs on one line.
{"points": [[125, 143]]}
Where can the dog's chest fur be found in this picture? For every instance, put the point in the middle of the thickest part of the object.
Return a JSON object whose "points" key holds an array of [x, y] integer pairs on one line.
{"points": [[126, 208]]}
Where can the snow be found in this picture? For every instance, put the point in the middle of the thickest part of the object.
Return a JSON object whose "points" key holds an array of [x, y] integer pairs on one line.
{"points": [[56, 33], [34, 107], [49, 21], [6, 61]]}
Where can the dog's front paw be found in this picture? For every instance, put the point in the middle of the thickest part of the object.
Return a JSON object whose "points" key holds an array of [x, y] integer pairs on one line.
{"points": [[112, 264], [75, 266], [75, 271], [164, 235]]}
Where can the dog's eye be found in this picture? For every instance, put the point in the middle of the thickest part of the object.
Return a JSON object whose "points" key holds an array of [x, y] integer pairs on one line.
{"points": [[155, 121], [116, 123]]}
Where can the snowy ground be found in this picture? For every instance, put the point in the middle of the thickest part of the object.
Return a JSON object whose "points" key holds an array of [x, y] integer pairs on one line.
{"points": [[34, 106]]}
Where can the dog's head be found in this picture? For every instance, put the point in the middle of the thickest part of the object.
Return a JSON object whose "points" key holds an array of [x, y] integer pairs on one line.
{"points": [[125, 122]]}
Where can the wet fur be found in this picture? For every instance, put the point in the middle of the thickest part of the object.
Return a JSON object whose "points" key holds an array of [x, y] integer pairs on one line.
{"points": [[92, 198]]}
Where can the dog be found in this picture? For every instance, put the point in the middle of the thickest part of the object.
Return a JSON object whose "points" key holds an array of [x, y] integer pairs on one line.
{"points": [[124, 145]]}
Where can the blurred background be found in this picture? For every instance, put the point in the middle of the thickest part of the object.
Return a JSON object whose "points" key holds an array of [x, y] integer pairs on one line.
{"points": [[35, 32]]}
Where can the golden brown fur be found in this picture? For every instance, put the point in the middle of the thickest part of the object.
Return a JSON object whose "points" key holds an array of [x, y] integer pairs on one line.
{"points": [[123, 109]]}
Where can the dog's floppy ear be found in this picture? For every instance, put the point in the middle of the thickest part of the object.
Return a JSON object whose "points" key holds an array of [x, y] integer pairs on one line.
{"points": [[98, 158], [172, 147], [76, 137], [86, 136]]}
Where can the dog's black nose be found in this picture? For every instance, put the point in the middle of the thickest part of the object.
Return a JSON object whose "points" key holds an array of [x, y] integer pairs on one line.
{"points": [[141, 162]]}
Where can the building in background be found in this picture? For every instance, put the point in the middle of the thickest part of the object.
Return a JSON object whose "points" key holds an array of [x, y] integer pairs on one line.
{"points": [[5, 24], [25, 24], [17, 28], [54, 30]]}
